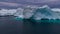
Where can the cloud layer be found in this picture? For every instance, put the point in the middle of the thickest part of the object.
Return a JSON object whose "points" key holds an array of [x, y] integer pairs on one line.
{"points": [[18, 3]]}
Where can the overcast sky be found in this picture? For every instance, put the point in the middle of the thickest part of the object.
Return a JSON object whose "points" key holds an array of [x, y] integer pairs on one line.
{"points": [[18, 3]]}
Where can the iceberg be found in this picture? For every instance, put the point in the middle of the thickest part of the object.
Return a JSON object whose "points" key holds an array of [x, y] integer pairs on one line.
{"points": [[44, 12], [33, 12]]}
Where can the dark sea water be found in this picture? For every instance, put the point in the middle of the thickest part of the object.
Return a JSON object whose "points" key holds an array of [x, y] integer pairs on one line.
{"points": [[9, 25]]}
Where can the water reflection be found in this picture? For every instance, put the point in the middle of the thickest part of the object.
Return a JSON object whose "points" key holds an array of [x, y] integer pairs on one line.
{"points": [[30, 27], [36, 28]]}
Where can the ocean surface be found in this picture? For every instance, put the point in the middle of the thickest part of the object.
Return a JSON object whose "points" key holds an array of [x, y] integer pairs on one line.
{"points": [[9, 25]]}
